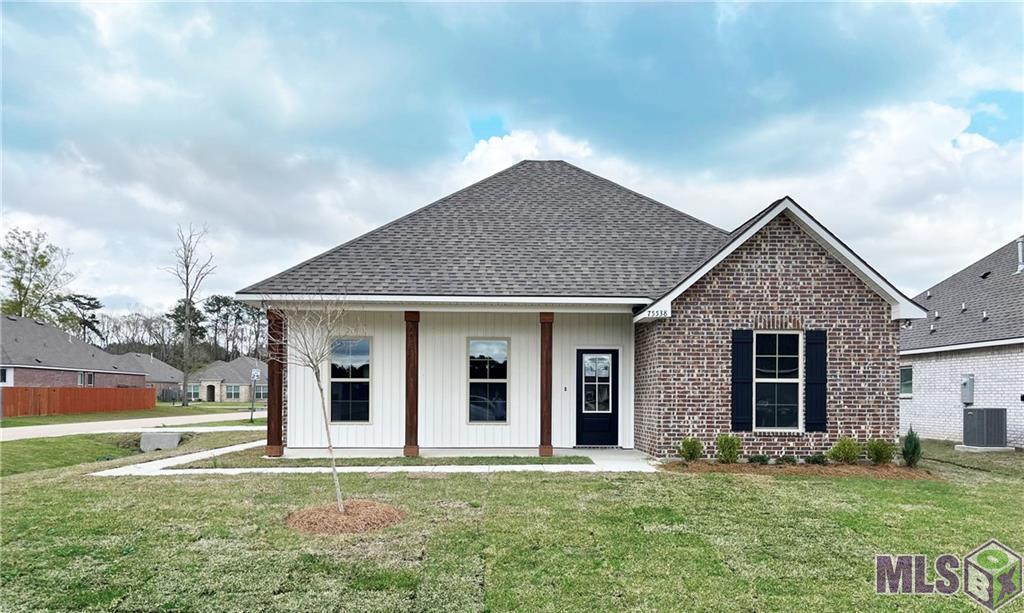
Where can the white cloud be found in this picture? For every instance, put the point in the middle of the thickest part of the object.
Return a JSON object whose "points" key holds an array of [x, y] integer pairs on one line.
{"points": [[912, 192]]}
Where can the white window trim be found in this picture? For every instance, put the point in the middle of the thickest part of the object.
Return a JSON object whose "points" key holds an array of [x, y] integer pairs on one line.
{"points": [[256, 393], [799, 381], [227, 392], [367, 380], [905, 396], [507, 381], [188, 392], [9, 373]]}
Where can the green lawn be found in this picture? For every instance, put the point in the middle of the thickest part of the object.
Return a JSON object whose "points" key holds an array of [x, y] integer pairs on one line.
{"points": [[161, 410], [42, 453], [498, 542], [1010, 463], [250, 458]]}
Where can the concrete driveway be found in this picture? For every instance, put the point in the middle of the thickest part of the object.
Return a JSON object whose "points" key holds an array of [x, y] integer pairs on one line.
{"points": [[24, 432]]}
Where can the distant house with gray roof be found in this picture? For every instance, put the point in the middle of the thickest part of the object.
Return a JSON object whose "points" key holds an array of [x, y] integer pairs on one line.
{"points": [[230, 381], [975, 326], [160, 375], [37, 354]]}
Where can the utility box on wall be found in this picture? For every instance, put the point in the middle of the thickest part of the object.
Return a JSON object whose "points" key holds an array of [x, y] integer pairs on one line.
{"points": [[967, 389]]}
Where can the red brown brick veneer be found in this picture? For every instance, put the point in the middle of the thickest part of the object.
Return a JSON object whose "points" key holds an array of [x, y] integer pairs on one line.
{"points": [[779, 279]]}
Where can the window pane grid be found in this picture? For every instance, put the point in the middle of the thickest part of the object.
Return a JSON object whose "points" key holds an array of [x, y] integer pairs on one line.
{"points": [[777, 384], [488, 380], [350, 380]]}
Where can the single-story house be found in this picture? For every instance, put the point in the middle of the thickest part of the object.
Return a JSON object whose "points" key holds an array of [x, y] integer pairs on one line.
{"points": [[36, 354], [160, 375], [546, 307], [230, 381], [974, 330]]}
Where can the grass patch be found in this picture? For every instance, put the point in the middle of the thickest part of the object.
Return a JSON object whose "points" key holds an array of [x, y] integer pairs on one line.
{"points": [[161, 410], [30, 455], [499, 542], [1009, 464], [253, 458]]}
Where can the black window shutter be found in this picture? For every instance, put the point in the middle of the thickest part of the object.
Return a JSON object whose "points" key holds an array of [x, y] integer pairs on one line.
{"points": [[815, 379], [742, 380]]}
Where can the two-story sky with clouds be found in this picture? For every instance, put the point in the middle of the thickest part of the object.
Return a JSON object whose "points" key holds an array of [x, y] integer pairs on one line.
{"points": [[287, 129]]}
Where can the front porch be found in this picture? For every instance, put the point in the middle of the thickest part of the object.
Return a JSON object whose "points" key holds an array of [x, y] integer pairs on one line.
{"points": [[436, 381]]}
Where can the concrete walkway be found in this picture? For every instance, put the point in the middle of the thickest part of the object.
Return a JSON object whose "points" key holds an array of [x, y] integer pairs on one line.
{"points": [[121, 425], [605, 461]]}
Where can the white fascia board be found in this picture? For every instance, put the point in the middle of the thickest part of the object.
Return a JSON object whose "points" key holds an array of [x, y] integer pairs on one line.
{"points": [[458, 303], [902, 307], [72, 369], [963, 346]]}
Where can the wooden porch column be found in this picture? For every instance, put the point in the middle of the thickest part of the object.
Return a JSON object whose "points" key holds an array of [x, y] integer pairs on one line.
{"points": [[412, 374], [546, 319], [276, 349]]}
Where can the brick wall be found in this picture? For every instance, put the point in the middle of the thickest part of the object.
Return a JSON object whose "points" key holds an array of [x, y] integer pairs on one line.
{"points": [[779, 279], [41, 377], [934, 408]]}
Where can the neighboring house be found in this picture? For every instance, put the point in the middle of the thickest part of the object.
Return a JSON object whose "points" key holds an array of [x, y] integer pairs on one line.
{"points": [[160, 375], [230, 381], [36, 354], [546, 307], [975, 326]]}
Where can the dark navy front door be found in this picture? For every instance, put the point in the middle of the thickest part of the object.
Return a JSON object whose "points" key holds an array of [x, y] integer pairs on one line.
{"points": [[597, 397]]}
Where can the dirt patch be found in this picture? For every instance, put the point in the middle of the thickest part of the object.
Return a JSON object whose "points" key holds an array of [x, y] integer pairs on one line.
{"points": [[360, 516], [807, 470]]}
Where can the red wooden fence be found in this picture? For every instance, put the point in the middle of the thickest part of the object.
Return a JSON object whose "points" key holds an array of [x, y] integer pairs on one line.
{"points": [[20, 401]]}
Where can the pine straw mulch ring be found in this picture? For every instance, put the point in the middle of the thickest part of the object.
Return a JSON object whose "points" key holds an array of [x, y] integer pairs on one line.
{"points": [[808, 470], [360, 516]]}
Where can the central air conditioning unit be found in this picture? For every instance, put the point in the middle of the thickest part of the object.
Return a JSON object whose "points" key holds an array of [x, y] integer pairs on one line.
{"points": [[984, 429]]}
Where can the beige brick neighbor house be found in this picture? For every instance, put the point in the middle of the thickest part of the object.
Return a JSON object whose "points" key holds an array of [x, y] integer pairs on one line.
{"points": [[975, 329], [546, 307], [229, 381]]}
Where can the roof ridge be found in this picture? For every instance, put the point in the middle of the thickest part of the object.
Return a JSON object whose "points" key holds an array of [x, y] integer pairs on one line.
{"points": [[383, 227], [964, 269], [639, 195]]}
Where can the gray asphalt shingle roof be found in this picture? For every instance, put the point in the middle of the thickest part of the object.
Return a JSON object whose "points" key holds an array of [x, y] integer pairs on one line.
{"points": [[1000, 294], [157, 371], [26, 342], [538, 228], [235, 372]]}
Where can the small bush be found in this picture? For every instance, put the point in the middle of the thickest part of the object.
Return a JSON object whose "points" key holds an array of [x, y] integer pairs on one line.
{"points": [[728, 448], [816, 458], [691, 449], [845, 451], [786, 459], [880, 452], [911, 449], [758, 459]]}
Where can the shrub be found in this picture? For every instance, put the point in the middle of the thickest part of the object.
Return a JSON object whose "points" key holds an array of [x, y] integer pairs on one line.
{"points": [[816, 458], [880, 451], [728, 448], [911, 449], [845, 451], [786, 459], [691, 449], [758, 459]]}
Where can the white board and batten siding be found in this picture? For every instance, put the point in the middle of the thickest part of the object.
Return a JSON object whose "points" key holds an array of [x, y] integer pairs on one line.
{"points": [[386, 331], [444, 381]]}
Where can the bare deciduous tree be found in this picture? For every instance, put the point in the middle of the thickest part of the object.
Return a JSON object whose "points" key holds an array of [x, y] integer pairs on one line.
{"points": [[191, 268], [311, 332]]}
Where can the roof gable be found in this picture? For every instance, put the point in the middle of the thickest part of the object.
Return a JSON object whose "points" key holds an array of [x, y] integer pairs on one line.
{"points": [[902, 306], [538, 228], [983, 303]]}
